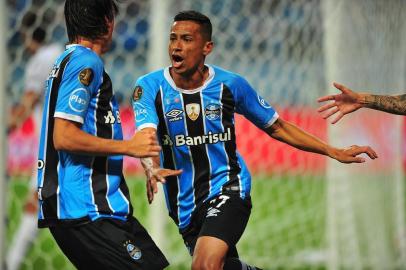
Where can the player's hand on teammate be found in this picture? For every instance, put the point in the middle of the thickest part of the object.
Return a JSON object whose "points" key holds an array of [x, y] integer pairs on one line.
{"points": [[156, 175], [351, 154], [346, 102], [143, 144]]}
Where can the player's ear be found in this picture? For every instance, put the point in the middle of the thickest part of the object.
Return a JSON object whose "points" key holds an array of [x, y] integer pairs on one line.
{"points": [[208, 47]]}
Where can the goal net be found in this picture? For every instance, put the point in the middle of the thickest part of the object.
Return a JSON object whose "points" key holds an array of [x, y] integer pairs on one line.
{"points": [[308, 212]]}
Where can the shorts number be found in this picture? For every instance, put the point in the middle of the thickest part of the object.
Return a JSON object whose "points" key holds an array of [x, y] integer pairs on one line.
{"points": [[223, 199]]}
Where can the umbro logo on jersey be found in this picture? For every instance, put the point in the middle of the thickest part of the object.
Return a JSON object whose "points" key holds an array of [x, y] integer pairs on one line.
{"points": [[193, 111], [174, 115]]}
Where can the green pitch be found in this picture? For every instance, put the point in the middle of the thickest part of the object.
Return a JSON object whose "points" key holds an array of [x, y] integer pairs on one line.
{"points": [[285, 231]]}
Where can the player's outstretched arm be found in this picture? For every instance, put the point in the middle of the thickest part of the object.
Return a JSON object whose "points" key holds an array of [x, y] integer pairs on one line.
{"points": [[349, 101], [69, 137], [288, 133], [154, 172]]}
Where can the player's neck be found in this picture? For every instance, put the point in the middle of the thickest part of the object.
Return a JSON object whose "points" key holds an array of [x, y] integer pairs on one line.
{"points": [[190, 80], [95, 46]]}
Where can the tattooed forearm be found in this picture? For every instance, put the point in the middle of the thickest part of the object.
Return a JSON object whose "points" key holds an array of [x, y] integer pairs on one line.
{"points": [[390, 104]]}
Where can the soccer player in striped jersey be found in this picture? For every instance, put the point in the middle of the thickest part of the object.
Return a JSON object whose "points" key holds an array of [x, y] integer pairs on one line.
{"points": [[83, 196], [191, 105]]}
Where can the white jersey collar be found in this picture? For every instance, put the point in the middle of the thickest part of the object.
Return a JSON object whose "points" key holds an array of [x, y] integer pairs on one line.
{"points": [[169, 79], [75, 45]]}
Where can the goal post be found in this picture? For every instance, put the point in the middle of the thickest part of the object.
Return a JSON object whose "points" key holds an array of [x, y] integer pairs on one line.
{"points": [[157, 58], [3, 138]]}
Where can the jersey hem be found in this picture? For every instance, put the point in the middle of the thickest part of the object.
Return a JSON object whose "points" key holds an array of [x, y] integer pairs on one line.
{"points": [[147, 125], [70, 117], [272, 121], [52, 222]]}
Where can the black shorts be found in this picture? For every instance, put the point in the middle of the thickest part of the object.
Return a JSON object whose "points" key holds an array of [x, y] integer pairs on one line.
{"points": [[224, 217], [109, 244]]}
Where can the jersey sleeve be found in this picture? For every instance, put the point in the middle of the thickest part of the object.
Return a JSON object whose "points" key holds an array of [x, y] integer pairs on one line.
{"points": [[81, 79], [143, 101], [252, 105]]}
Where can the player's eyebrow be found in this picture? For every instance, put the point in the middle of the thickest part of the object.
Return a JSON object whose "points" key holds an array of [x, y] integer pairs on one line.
{"points": [[181, 35]]}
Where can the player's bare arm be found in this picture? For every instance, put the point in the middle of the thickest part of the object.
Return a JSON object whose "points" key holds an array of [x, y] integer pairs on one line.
{"points": [[349, 101], [390, 104], [69, 137], [155, 173], [288, 133]]}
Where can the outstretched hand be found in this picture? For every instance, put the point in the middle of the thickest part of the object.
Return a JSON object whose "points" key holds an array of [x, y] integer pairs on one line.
{"points": [[156, 175], [346, 102], [351, 154]]}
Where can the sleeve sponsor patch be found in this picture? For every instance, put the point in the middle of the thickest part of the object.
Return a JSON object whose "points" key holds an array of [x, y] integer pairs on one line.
{"points": [[263, 103], [140, 113], [137, 93], [79, 100], [86, 76]]}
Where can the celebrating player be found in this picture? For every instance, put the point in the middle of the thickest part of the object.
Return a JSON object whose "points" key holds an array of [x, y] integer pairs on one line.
{"points": [[191, 106], [350, 101], [83, 197]]}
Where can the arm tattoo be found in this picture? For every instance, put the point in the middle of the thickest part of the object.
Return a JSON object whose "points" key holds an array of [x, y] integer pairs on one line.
{"points": [[390, 104]]}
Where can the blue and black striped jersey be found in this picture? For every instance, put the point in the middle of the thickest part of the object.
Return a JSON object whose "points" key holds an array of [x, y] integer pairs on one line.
{"points": [[196, 131], [75, 188]]}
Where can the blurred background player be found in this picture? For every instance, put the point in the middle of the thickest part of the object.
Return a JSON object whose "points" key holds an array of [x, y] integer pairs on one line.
{"points": [[38, 67], [350, 101], [191, 106]]}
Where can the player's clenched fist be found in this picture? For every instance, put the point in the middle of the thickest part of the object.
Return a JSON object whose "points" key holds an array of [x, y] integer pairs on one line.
{"points": [[143, 144], [350, 154]]}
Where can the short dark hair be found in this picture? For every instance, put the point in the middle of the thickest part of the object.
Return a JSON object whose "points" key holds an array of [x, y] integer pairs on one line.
{"points": [[201, 19], [39, 35], [88, 18]]}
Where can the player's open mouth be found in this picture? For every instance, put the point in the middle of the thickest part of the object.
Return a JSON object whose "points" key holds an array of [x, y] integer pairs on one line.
{"points": [[177, 61]]}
